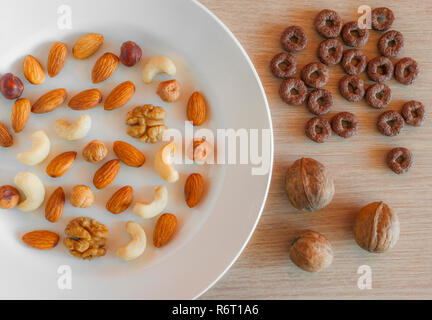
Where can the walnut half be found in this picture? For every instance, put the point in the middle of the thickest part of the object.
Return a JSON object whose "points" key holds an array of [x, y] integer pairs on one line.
{"points": [[86, 238], [146, 123]]}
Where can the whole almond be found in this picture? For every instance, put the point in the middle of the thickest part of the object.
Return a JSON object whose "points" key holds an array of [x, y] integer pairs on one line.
{"points": [[88, 44], [55, 205], [6, 139], [193, 189], [106, 174], [86, 99], [49, 101], [120, 95], [95, 151], [41, 239], [33, 70], [164, 229], [20, 114], [196, 109], [104, 67], [61, 164], [128, 154], [120, 200], [56, 58]]}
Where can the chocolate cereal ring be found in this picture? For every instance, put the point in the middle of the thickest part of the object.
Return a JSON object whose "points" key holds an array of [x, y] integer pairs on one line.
{"points": [[380, 69], [354, 62], [406, 71], [414, 113], [293, 39], [328, 23], [330, 51], [315, 74], [283, 65], [353, 35], [391, 43], [352, 88], [390, 123], [345, 124], [293, 91], [378, 95], [382, 19], [318, 129], [320, 102], [399, 160]]}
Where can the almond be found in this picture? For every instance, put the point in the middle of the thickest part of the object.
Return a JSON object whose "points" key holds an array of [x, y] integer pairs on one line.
{"points": [[88, 44], [86, 99], [55, 205], [196, 109], [61, 164], [41, 239], [20, 114], [106, 174], [33, 70], [120, 200], [49, 101], [164, 229], [128, 154], [6, 139], [120, 95], [56, 58], [104, 67], [193, 189]]}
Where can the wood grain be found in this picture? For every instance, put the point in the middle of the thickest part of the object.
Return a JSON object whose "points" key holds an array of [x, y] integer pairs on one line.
{"points": [[264, 270]]}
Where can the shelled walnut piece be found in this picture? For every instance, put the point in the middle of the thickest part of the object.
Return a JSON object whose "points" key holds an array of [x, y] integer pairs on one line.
{"points": [[146, 123], [86, 238]]}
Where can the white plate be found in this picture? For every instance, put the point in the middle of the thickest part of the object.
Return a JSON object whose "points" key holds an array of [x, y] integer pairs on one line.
{"points": [[211, 236]]}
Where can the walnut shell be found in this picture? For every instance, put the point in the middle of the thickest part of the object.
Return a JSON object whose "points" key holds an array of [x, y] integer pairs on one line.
{"points": [[311, 251], [309, 185], [376, 227]]}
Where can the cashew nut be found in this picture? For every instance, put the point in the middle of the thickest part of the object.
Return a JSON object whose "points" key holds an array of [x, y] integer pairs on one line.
{"points": [[157, 65], [38, 152], [147, 210], [137, 244], [33, 189], [73, 131], [163, 161]]}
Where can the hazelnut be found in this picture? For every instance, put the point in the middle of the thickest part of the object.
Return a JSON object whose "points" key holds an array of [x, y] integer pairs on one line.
{"points": [[130, 53], [11, 86], [311, 251], [309, 185], [376, 227], [169, 91], [81, 196], [95, 151], [9, 197], [199, 150]]}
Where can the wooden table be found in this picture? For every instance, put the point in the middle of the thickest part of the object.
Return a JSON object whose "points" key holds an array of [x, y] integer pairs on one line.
{"points": [[264, 270]]}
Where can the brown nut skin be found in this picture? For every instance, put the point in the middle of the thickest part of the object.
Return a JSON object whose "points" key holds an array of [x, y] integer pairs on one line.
{"points": [[81, 196], [130, 53], [309, 185], [376, 227], [9, 197], [311, 251], [95, 151], [169, 91], [11, 86]]}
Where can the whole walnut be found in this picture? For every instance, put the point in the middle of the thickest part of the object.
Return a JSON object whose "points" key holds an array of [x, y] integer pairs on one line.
{"points": [[309, 185], [311, 251], [376, 227]]}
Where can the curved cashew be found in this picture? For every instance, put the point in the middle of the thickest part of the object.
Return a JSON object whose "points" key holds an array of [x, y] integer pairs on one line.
{"points": [[33, 190], [38, 152], [157, 65], [137, 244], [147, 210], [163, 161], [73, 131]]}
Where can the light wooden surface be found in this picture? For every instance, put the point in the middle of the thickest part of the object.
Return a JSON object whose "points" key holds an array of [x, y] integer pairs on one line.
{"points": [[264, 270]]}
